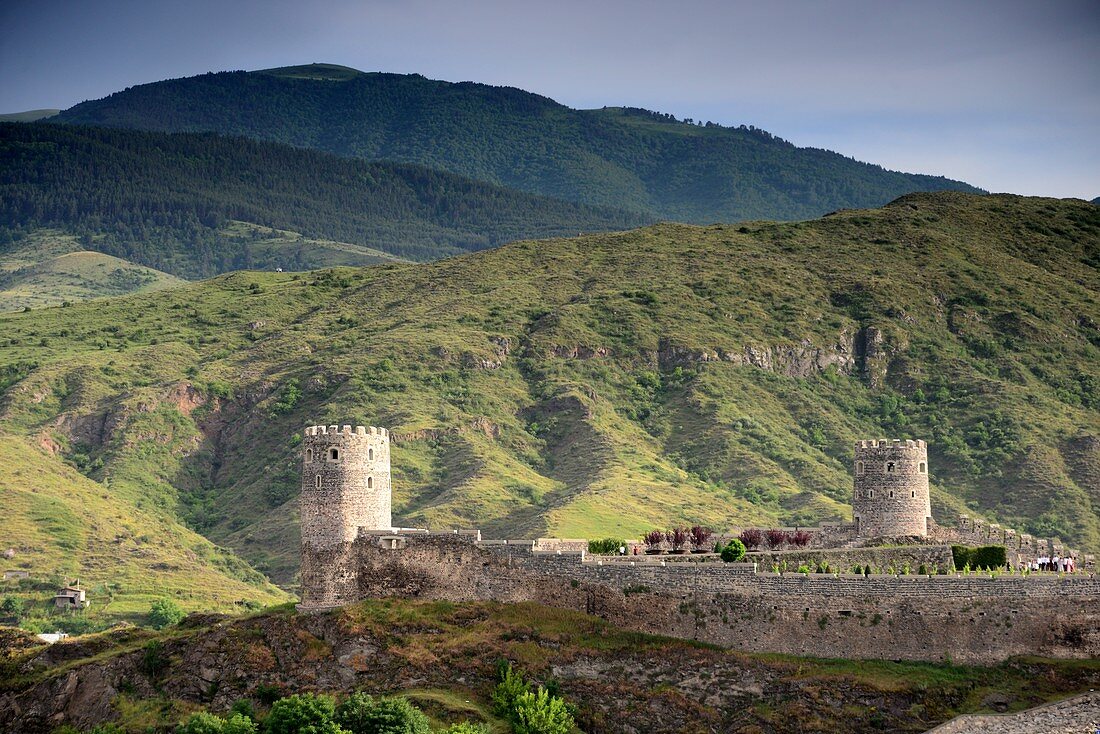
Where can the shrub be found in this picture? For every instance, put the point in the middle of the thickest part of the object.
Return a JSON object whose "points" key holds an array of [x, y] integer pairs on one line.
{"points": [[734, 551], [363, 714], [677, 538], [804, 569], [267, 694], [653, 539], [605, 546], [107, 729], [752, 538], [775, 538], [508, 690], [202, 723], [465, 727], [541, 713], [302, 712], [12, 606], [989, 556], [154, 662], [800, 538], [700, 536], [922, 570], [164, 613]]}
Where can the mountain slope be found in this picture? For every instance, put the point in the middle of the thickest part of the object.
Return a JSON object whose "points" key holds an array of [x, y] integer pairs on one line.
{"points": [[28, 116], [168, 202], [33, 276], [608, 384], [63, 525], [616, 157]]}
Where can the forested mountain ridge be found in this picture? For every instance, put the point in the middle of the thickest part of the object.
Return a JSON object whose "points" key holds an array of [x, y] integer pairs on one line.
{"points": [[169, 201], [621, 158], [605, 384]]}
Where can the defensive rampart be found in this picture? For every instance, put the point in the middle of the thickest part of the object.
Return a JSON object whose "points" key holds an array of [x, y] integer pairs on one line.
{"points": [[967, 618]]}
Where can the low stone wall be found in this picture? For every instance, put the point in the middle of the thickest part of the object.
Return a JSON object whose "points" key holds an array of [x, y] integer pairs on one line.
{"points": [[970, 619], [842, 560]]}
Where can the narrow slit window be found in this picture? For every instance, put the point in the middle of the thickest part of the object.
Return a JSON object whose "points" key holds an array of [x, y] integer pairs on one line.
{"points": [[309, 454], [913, 494], [859, 467], [370, 482], [870, 494], [370, 454], [317, 481], [891, 494]]}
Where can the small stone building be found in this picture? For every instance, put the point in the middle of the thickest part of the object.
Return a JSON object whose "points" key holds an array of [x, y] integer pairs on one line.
{"points": [[70, 597]]}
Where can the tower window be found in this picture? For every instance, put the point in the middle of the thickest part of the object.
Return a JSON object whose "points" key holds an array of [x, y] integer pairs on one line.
{"points": [[913, 494], [891, 494], [859, 467], [309, 454], [334, 454], [890, 466], [922, 468], [370, 454], [317, 481], [370, 482], [870, 494]]}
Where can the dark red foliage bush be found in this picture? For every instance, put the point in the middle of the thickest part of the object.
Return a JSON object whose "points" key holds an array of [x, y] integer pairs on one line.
{"points": [[700, 537], [775, 538], [800, 538], [677, 538], [653, 539], [752, 538]]}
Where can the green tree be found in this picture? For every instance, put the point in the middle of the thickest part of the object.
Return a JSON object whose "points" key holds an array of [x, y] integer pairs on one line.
{"points": [[202, 722], [361, 713], [164, 613], [511, 687], [466, 727], [12, 606], [303, 713], [239, 724], [541, 713], [734, 551]]}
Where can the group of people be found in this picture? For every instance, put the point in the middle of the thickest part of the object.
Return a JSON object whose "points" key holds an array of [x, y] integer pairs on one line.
{"points": [[1053, 563]]}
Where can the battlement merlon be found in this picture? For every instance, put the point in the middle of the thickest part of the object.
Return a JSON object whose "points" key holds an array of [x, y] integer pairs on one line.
{"points": [[343, 431], [888, 443]]}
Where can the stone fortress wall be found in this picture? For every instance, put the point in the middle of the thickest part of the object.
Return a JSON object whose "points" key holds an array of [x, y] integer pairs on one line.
{"points": [[350, 552], [977, 618]]}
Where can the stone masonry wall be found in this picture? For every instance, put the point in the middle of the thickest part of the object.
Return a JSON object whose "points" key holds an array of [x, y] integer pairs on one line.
{"points": [[971, 619], [891, 488], [844, 559]]}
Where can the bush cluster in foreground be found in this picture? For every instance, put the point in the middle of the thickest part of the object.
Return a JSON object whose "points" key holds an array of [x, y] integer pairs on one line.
{"points": [[529, 710]]}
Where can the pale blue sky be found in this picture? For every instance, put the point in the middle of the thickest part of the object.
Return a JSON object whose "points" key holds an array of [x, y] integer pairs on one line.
{"points": [[1004, 95]]}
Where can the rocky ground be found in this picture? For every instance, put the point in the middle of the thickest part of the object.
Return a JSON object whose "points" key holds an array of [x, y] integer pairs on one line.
{"points": [[619, 681], [1078, 715]]}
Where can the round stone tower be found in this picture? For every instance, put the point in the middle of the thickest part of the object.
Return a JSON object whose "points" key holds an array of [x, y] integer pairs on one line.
{"points": [[345, 487], [891, 488]]}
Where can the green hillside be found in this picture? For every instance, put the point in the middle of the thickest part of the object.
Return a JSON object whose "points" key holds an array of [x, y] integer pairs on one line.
{"points": [[28, 116], [32, 275], [171, 202], [608, 383], [617, 157], [63, 526]]}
